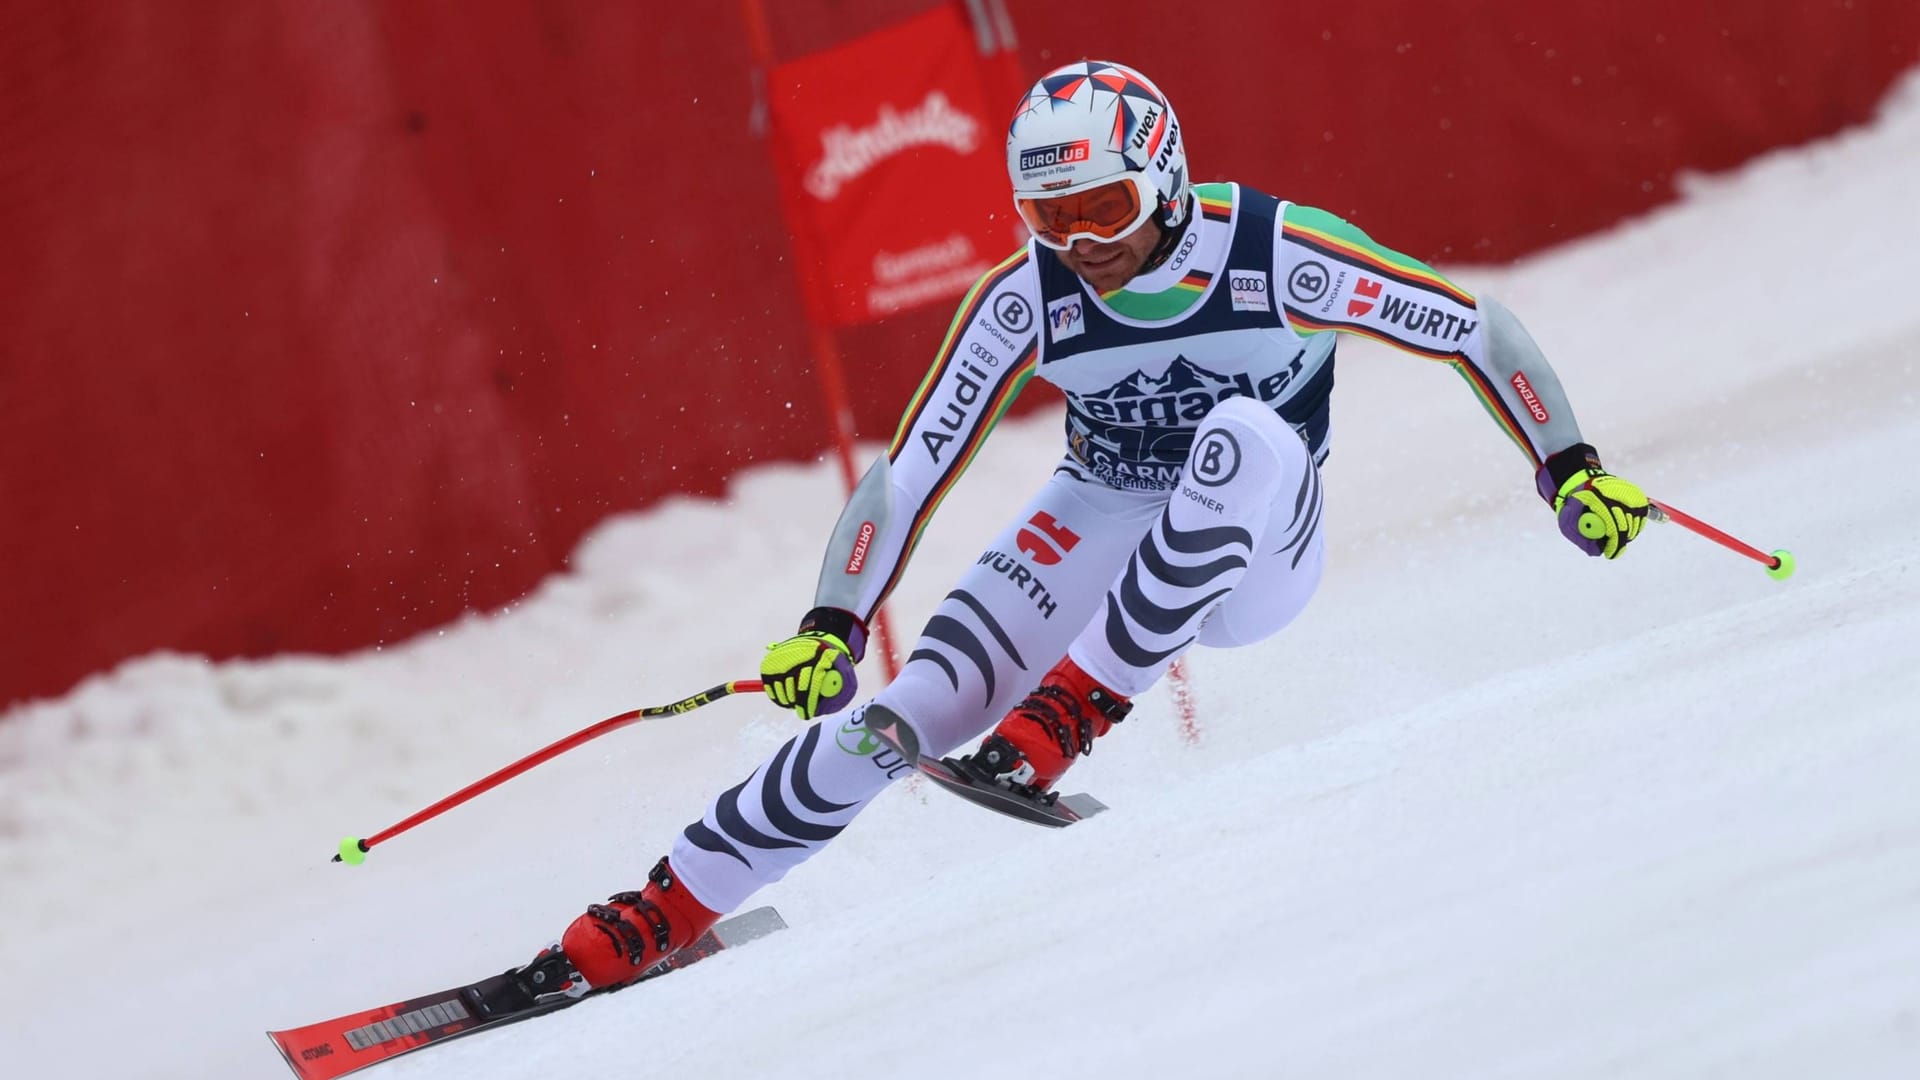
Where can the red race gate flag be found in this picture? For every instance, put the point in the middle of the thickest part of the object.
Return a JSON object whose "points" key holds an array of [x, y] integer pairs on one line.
{"points": [[893, 169]]}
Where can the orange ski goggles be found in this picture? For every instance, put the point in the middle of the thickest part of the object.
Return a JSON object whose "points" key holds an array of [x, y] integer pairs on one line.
{"points": [[1103, 214]]}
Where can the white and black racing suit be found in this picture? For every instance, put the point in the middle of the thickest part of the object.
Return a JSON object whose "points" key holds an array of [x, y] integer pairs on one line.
{"points": [[1185, 509]]}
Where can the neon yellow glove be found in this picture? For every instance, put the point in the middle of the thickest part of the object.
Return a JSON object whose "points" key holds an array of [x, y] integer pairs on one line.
{"points": [[1598, 511], [812, 671]]}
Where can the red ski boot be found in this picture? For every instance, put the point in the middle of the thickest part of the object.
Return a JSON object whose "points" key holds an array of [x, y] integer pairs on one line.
{"points": [[1034, 745], [617, 941]]}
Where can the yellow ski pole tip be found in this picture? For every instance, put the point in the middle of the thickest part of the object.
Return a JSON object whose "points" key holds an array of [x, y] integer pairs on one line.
{"points": [[353, 851], [1784, 565]]}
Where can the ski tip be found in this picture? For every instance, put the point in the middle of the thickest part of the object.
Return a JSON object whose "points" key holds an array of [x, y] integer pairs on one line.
{"points": [[353, 851]]}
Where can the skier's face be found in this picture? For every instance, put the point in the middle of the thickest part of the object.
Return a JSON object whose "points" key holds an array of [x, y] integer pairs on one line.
{"points": [[1108, 266]]}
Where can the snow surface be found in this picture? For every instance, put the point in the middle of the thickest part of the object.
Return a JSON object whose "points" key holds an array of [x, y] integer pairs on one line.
{"points": [[1490, 809]]}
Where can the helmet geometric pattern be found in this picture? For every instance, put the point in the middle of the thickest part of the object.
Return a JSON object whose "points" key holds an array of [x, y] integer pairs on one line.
{"points": [[1105, 104]]}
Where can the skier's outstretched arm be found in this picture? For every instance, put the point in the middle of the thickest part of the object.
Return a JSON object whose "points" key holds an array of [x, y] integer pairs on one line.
{"points": [[1334, 277], [989, 352]]}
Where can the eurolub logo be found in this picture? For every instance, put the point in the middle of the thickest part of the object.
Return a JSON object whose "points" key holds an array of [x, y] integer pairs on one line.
{"points": [[1066, 153], [848, 152], [1527, 395]]}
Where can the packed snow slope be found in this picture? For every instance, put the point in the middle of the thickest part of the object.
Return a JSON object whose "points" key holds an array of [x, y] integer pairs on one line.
{"points": [[1490, 809]]}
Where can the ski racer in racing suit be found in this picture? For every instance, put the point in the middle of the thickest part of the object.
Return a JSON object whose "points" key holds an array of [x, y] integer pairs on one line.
{"points": [[1191, 329]]}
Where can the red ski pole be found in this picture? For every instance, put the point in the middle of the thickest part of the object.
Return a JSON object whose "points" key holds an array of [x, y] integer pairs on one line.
{"points": [[353, 850], [1779, 564]]}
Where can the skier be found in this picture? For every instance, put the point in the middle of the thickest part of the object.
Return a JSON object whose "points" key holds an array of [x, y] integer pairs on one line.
{"points": [[1191, 328]]}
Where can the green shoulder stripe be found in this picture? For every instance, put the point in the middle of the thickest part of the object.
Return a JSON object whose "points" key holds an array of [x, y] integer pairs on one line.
{"points": [[1317, 228]]}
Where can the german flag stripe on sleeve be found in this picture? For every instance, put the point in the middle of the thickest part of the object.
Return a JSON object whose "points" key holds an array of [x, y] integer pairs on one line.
{"points": [[1009, 388], [1408, 272], [1307, 324], [970, 306], [1490, 400], [1338, 239]]}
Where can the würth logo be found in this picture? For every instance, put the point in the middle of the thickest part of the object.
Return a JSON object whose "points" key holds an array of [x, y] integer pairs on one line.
{"points": [[1368, 288], [1527, 395], [1041, 528], [860, 544]]}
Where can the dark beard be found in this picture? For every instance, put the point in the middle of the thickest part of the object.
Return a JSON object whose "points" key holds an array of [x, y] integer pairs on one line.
{"points": [[1168, 239]]}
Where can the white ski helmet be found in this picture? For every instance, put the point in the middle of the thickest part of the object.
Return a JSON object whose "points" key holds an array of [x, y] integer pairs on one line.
{"points": [[1094, 150]]}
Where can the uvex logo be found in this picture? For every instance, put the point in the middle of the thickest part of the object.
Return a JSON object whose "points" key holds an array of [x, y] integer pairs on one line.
{"points": [[858, 559], [1527, 395]]}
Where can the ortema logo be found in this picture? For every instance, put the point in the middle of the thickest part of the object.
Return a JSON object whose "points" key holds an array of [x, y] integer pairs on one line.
{"points": [[858, 559], [1527, 395], [1041, 157], [1065, 318], [1249, 290], [849, 152]]}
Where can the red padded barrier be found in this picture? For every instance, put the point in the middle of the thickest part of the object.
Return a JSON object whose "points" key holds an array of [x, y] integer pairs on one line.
{"points": [[325, 323]]}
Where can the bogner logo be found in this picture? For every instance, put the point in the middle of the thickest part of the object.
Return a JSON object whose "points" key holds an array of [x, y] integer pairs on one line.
{"points": [[848, 152], [858, 560], [1527, 395], [1042, 157]]}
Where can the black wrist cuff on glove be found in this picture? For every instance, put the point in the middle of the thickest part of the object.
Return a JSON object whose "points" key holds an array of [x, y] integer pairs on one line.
{"points": [[842, 624], [1563, 466]]}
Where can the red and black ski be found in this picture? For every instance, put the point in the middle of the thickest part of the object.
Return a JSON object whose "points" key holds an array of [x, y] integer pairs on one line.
{"points": [[348, 1043]]}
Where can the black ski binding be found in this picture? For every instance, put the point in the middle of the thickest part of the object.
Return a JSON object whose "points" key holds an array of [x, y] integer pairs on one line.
{"points": [[974, 783], [549, 977]]}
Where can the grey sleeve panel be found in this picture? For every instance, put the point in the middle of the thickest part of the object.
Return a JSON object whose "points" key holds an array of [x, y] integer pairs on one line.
{"points": [[1518, 372], [862, 529]]}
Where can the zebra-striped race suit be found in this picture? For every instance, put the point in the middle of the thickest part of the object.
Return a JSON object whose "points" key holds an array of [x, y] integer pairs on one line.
{"points": [[1187, 507]]}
